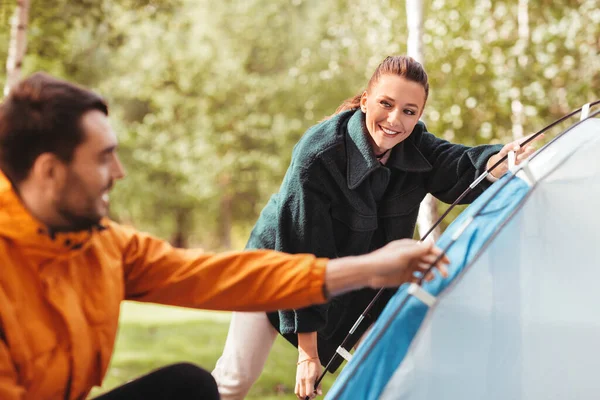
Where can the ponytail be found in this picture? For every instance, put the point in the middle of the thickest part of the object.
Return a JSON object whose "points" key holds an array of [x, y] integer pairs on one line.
{"points": [[351, 103], [403, 66]]}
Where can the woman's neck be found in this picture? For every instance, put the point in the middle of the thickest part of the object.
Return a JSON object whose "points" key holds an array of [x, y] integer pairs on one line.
{"points": [[383, 156]]}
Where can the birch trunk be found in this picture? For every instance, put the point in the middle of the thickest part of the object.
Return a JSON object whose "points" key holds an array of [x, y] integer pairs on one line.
{"points": [[225, 213], [428, 213], [518, 113], [17, 44]]}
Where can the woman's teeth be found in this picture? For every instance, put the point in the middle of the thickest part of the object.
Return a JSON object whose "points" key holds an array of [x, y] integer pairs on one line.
{"points": [[389, 132]]}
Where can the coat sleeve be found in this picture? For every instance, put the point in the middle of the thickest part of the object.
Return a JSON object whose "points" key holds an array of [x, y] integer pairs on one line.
{"points": [[455, 167], [298, 220], [259, 280], [9, 388]]}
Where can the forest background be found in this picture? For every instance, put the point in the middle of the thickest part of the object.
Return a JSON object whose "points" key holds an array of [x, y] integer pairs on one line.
{"points": [[209, 98]]}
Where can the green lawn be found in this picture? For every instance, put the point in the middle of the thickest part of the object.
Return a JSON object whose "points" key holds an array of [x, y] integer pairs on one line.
{"points": [[152, 336]]}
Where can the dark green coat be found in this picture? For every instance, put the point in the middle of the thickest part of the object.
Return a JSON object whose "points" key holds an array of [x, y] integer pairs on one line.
{"points": [[337, 200]]}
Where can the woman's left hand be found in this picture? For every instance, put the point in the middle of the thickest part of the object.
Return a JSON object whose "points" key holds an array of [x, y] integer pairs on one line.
{"points": [[521, 153], [307, 373]]}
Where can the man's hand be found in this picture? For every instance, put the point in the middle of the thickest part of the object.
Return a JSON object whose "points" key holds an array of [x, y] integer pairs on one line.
{"points": [[390, 266], [413, 256]]}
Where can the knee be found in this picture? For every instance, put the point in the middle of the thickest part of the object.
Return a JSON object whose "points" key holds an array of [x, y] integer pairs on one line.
{"points": [[234, 383], [192, 380], [186, 370]]}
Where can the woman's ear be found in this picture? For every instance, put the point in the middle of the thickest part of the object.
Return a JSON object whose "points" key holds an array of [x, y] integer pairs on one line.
{"points": [[363, 102]]}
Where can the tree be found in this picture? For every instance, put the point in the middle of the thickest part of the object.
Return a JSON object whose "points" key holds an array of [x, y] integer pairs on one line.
{"points": [[209, 98], [428, 213], [522, 61], [18, 44]]}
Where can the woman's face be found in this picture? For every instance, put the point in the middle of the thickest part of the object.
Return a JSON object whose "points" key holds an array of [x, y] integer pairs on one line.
{"points": [[393, 107]]}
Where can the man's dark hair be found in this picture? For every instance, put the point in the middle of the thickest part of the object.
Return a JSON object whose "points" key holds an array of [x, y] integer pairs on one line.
{"points": [[42, 114]]}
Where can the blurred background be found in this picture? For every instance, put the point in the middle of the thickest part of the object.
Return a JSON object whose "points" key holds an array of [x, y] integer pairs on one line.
{"points": [[209, 97]]}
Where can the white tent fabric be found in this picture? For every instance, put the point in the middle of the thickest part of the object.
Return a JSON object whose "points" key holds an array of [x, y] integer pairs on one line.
{"points": [[520, 321]]}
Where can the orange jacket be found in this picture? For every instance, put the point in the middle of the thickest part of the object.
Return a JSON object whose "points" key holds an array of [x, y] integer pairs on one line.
{"points": [[60, 294]]}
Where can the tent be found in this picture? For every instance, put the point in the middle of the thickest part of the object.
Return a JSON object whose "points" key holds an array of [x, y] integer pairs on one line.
{"points": [[518, 317]]}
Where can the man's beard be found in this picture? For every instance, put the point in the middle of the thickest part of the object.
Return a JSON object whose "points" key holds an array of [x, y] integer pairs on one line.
{"points": [[77, 222], [77, 218]]}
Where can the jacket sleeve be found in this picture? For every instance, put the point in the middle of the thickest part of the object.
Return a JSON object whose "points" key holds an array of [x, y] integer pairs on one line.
{"points": [[9, 388], [299, 220], [260, 280], [455, 167]]}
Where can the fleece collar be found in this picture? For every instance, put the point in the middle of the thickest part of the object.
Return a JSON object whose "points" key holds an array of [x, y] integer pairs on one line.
{"points": [[405, 156]]}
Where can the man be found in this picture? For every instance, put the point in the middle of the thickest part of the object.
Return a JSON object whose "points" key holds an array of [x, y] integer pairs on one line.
{"points": [[65, 267]]}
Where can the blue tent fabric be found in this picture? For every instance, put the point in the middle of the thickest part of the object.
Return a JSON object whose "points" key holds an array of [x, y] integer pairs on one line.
{"points": [[384, 349], [517, 318]]}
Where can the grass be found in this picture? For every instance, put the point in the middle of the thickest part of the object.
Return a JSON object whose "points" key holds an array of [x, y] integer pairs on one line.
{"points": [[152, 336]]}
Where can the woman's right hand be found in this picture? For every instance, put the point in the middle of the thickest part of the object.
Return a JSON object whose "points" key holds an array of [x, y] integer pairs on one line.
{"points": [[308, 371]]}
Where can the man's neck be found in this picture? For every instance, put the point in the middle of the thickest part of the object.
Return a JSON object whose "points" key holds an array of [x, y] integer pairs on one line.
{"points": [[38, 205]]}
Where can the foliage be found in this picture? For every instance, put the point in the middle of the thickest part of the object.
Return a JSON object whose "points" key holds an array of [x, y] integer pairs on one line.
{"points": [[210, 97]]}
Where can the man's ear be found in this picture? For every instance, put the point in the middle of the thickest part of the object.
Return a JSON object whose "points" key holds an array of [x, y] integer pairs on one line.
{"points": [[48, 170]]}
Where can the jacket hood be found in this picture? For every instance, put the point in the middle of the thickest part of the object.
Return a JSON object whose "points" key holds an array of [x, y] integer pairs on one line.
{"points": [[18, 225]]}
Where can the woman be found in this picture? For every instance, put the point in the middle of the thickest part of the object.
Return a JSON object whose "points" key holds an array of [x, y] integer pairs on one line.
{"points": [[355, 183]]}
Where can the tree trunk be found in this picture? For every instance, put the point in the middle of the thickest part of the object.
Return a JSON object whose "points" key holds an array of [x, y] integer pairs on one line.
{"points": [[518, 116], [414, 15], [225, 212], [17, 44], [225, 222], [182, 225], [428, 213]]}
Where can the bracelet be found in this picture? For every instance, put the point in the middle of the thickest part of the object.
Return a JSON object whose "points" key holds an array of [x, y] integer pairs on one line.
{"points": [[307, 359]]}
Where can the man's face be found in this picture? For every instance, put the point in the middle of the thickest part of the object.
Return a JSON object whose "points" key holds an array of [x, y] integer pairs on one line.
{"points": [[83, 198]]}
